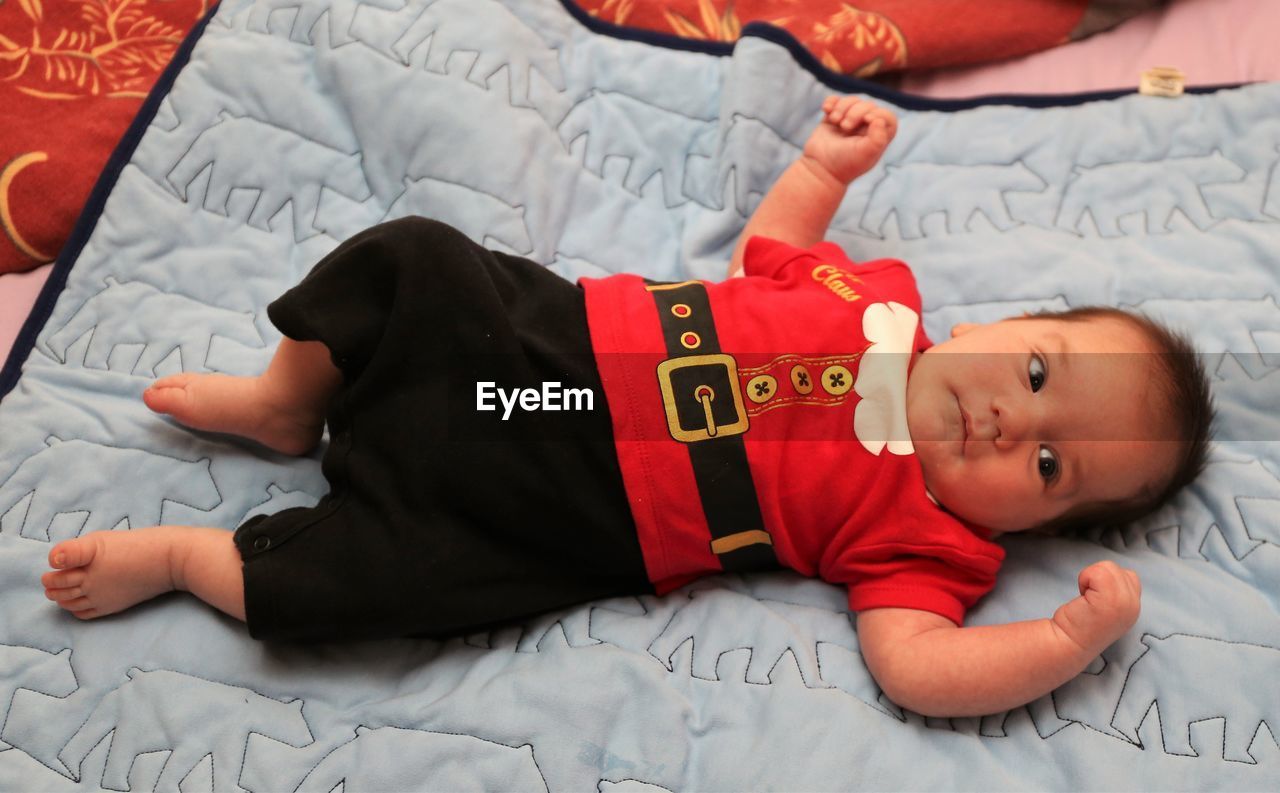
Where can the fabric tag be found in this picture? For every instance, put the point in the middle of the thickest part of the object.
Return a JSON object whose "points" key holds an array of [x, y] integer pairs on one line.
{"points": [[1162, 81]]}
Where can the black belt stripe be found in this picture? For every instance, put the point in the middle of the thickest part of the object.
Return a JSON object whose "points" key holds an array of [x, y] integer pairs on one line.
{"points": [[720, 468]]}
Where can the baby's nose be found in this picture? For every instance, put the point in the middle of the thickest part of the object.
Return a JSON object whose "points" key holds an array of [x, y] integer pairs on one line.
{"points": [[1011, 425], [981, 429]]}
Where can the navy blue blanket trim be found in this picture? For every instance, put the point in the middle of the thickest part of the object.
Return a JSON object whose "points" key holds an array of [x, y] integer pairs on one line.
{"points": [[849, 85], [88, 220], [123, 153]]}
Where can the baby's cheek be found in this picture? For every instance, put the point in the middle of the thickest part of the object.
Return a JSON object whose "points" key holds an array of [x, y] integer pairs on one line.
{"points": [[984, 491]]}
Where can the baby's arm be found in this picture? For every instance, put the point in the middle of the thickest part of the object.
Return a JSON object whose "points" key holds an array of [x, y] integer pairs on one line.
{"points": [[799, 207], [926, 664]]}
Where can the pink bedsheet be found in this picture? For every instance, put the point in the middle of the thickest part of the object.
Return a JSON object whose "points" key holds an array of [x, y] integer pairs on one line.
{"points": [[18, 293], [1212, 41]]}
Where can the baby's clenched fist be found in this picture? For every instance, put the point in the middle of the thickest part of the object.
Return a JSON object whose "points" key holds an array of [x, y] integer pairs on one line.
{"points": [[1108, 606], [852, 136]]}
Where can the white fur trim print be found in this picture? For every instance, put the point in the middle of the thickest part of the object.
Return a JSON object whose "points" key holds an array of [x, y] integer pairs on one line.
{"points": [[880, 419]]}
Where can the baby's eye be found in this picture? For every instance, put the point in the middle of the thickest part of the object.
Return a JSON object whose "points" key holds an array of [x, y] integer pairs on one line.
{"points": [[1048, 464], [1036, 373]]}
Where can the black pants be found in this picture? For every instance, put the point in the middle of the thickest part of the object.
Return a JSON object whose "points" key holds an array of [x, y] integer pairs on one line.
{"points": [[442, 519]]}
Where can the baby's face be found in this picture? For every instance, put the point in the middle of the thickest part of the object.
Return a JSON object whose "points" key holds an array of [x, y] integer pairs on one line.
{"points": [[1018, 421]]}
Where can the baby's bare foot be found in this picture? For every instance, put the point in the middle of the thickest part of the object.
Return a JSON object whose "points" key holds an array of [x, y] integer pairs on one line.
{"points": [[236, 405], [109, 571]]}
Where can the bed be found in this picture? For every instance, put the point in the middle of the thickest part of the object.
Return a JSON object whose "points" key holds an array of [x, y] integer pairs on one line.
{"points": [[537, 131]]}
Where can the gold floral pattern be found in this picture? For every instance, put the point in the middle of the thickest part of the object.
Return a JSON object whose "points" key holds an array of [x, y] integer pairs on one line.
{"points": [[7, 174], [870, 42], [712, 25], [865, 37], [845, 37], [616, 11], [116, 51], [72, 75]]}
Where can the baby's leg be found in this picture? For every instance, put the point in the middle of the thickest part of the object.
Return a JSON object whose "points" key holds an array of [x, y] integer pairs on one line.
{"points": [[109, 571], [283, 409]]}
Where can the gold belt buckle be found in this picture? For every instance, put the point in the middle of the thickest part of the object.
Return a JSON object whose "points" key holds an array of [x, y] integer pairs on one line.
{"points": [[701, 392]]}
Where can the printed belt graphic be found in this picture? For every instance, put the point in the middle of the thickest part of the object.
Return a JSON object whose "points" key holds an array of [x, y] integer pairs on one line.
{"points": [[705, 411]]}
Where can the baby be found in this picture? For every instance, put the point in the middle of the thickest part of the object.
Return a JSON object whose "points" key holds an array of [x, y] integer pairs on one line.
{"points": [[852, 450]]}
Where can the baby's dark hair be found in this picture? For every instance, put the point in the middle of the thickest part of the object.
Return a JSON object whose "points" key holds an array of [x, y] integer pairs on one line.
{"points": [[1182, 381]]}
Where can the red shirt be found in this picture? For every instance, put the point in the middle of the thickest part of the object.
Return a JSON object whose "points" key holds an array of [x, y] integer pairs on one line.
{"points": [[839, 486]]}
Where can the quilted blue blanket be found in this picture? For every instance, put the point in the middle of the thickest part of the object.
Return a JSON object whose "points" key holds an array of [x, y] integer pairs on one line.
{"points": [[285, 126]]}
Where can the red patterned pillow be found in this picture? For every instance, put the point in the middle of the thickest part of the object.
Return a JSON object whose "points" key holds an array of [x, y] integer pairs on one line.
{"points": [[73, 74], [865, 37]]}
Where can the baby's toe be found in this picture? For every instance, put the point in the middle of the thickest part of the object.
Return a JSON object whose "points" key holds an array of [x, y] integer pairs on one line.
{"points": [[72, 553], [179, 380], [168, 395], [63, 595], [62, 579], [80, 607]]}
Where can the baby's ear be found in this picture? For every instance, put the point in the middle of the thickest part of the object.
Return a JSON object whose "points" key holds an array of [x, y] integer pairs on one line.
{"points": [[962, 328]]}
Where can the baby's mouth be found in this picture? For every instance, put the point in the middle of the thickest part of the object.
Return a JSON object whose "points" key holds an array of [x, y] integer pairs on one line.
{"points": [[964, 425]]}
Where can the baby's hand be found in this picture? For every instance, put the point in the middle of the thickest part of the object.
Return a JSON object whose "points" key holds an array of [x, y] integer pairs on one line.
{"points": [[851, 137], [1110, 597]]}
